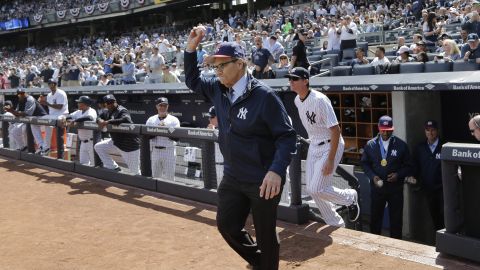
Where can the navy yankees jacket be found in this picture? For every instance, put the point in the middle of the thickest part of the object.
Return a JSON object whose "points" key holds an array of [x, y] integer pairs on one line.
{"points": [[126, 142], [427, 166], [398, 161], [255, 133]]}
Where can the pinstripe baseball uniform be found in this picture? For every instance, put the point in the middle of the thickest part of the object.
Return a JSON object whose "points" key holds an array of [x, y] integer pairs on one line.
{"points": [[318, 116], [162, 149], [85, 137]]}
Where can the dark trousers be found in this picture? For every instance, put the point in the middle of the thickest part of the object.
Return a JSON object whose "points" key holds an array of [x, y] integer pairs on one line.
{"points": [[394, 197], [435, 206], [235, 200], [347, 44]]}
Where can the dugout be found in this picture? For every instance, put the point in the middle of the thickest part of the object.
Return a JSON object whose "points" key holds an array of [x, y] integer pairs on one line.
{"points": [[449, 97]]}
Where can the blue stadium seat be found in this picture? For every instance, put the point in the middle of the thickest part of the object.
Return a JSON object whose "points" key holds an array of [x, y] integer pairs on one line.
{"points": [[363, 45], [363, 70], [348, 54], [438, 67], [391, 53], [280, 73], [342, 71], [413, 67], [333, 52], [461, 65], [182, 77], [315, 57], [334, 58]]}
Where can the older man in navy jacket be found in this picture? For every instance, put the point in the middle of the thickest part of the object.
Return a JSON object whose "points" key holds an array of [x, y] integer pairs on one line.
{"points": [[256, 139], [386, 161]]}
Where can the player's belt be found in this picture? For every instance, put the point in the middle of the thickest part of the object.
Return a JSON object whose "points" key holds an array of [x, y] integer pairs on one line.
{"points": [[160, 147], [218, 163], [324, 142], [86, 141]]}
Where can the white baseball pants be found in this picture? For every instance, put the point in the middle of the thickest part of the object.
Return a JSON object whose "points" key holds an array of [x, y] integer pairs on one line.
{"points": [[132, 159], [163, 162], [17, 135], [320, 187], [86, 153]]}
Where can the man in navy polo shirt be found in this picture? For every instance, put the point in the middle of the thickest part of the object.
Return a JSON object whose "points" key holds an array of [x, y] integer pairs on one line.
{"points": [[428, 172], [256, 139], [386, 162], [262, 59]]}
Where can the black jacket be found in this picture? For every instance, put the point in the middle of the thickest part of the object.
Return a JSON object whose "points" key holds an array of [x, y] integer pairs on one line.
{"points": [[255, 133], [428, 169], [126, 142]]}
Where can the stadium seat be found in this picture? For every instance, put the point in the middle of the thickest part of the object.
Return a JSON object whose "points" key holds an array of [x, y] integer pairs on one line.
{"points": [[391, 53], [182, 78], [461, 65], [334, 58], [363, 70], [342, 71], [431, 56], [348, 54], [413, 67], [313, 58], [363, 45], [333, 52], [280, 73], [438, 67], [391, 57]]}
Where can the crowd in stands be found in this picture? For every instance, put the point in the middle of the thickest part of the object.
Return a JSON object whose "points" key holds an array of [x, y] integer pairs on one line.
{"points": [[11, 9], [153, 57]]}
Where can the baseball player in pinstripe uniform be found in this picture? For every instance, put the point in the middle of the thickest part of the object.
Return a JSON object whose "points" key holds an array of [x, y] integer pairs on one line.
{"points": [[128, 145], [85, 136], [162, 149], [325, 151]]}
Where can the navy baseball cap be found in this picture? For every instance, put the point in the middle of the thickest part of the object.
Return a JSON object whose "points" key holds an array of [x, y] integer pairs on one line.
{"points": [[161, 100], [20, 90], [229, 49], [431, 124], [84, 100], [298, 72], [108, 98], [472, 37], [52, 81], [385, 123], [211, 112]]}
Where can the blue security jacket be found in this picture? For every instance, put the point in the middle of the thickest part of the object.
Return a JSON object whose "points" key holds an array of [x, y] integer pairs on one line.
{"points": [[255, 133], [398, 161], [428, 169]]}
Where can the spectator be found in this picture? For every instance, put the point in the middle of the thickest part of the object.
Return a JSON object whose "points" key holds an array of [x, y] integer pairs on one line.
{"points": [[386, 162], [3, 80], [275, 48], [451, 52], [128, 70], [473, 53], [360, 57], [416, 39], [283, 63], [103, 80], [116, 64], [107, 63], [73, 71], [179, 57], [403, 55], [430, 30], [238, 39], [473, 24], [348, 37], [201, 53], [46, 74], [262, 59], [14, 78], [333, 37], [380, 62], [422, 57], [299, 55], [154, 67], [168, 76]]}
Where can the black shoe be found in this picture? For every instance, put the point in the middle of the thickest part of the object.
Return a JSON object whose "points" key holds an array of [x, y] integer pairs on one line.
{"points": [[118, 169], [45, 152], [24, 149], [39, 151]]}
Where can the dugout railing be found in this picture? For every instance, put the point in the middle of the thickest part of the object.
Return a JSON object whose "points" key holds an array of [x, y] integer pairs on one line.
{"points": [[294, 211]]}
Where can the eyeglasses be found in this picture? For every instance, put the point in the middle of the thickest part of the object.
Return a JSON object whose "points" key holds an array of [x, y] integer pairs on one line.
{"points": [[293, 79], [221, 66]]}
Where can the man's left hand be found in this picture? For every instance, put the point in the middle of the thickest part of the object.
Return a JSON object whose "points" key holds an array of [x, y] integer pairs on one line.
{"points": [[271, 185]]}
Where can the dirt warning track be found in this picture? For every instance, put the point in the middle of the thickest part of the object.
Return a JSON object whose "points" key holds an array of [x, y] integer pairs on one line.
{"points": [[54, 220]]}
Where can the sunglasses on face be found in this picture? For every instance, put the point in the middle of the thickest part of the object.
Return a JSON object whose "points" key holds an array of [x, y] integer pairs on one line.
{"points": [[293, 79], [110, 102]]}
